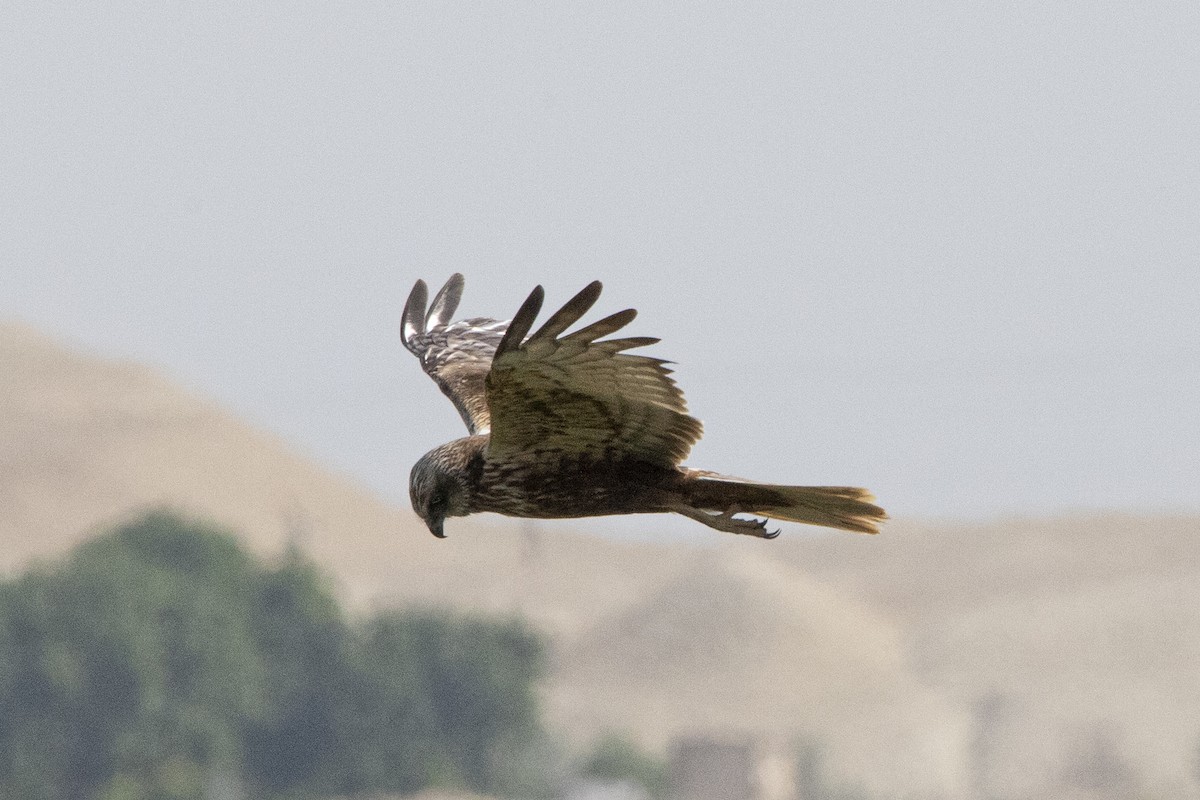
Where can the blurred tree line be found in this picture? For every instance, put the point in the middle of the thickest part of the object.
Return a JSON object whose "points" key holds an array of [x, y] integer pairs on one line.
{"points": [[161, 658]]}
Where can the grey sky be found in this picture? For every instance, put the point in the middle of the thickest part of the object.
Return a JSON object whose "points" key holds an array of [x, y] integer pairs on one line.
{"points": [[949, 251]]}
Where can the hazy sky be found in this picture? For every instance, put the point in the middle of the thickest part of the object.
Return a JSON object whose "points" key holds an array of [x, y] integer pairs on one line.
{"points": [[949, 251]]}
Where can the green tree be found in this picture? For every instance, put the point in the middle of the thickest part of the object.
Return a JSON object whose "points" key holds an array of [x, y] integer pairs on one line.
{"points": [[161, 656], [616, 758], [299, 744], [135, 660], [446, 701]]}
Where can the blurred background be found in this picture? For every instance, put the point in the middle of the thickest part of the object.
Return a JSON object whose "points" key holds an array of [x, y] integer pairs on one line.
{"points": [[947, 252]]}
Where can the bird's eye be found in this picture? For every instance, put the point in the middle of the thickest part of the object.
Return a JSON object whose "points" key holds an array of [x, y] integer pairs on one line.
{"points": [[438, 501]]}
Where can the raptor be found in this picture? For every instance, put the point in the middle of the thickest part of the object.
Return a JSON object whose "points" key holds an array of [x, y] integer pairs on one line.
{"points": [[572, 425]]}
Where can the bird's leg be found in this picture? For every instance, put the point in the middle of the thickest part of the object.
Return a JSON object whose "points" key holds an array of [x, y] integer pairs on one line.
{"points": [[727, 522]]}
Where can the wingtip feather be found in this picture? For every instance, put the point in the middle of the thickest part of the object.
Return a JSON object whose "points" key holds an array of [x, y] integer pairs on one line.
{"points": [[445, 302], [610, 324], [413, 319], [522, 322], [571, 311]]}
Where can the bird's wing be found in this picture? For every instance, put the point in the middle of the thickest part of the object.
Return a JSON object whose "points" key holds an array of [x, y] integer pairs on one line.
{"points": [[574, 396], [456, 355]]}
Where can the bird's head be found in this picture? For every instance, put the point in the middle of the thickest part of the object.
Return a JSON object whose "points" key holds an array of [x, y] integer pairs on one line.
{"points": [[438, 489]]}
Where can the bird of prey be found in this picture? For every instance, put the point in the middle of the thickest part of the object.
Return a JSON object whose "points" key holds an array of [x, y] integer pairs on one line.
{"points": [[570, 425]]}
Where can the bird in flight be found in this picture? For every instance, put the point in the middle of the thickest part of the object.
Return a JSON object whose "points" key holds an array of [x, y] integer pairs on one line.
{"points": [[571, 425]]}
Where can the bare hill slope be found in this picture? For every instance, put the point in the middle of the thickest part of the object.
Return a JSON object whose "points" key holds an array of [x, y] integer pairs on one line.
{"points": [[741, 643], [1008, 659], [1084, 629], [88, 441]]}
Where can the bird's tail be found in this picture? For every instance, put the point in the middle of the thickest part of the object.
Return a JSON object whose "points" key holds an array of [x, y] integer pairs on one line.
{"points": [[844, 507]]}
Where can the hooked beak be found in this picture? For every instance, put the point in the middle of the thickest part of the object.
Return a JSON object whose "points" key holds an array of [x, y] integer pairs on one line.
{"points": [[435, 527]]}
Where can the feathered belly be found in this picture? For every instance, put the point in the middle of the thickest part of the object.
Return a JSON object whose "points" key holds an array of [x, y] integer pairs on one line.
{"points": [[571, 488]]}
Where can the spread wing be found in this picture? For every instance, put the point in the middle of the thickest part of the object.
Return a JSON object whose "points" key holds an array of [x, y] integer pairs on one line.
{"points": [[456, 355], [575, 396]]}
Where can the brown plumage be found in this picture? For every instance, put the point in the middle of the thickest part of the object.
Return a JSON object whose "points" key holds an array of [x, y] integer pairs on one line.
{"points": [[571, 425]]}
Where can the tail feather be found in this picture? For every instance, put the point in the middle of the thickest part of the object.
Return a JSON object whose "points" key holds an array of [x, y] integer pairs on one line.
{"points": [[844, 507]]}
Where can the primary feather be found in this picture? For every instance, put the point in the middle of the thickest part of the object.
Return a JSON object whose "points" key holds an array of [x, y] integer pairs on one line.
{"points": [[456, 355]]}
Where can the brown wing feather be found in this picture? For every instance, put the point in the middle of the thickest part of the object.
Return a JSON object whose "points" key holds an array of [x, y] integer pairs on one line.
{"points": [[576, 396], [456, 355]]}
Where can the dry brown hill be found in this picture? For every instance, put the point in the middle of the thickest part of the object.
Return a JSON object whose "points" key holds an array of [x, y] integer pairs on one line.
{"points": [[1076, 640], [920, 569], [742, 644], [87, 441], [1005, 659]]}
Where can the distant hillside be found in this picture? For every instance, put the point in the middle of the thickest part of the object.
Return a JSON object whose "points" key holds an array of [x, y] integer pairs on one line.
{"points": [[996, 659], [1085, 629], [87, 441], [741, 643]]}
